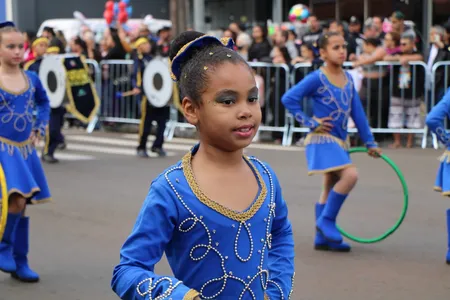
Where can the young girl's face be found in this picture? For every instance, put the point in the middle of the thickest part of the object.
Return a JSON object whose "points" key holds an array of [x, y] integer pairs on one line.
{"points": [[145, 48], [12, 48], [229, 114], [306, 53], [41, 48], [336, 50]]}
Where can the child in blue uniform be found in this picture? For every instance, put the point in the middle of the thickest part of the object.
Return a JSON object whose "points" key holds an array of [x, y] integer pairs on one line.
{"points": [[435, 122], [218, 215], [20, 93], [335, 100]]}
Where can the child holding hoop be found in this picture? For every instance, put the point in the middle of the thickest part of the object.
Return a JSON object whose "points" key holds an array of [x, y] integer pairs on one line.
{"points": [[20, 92], [435, 122], [335, 100], [218, 215]]}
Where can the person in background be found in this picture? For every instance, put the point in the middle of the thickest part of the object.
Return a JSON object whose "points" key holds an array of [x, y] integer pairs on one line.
{"points": [[282, 40], [78, 46], [243, 44], [92, 49], [260, 48], [392, 43], [163, 43], [49, 33], [338, 26], [354, 32], [407, 92], [239, 30], [437, 51], [378, 26], [314, 32], [29, 36]]}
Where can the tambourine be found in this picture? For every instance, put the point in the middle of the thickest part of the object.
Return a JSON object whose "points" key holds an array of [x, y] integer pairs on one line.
{"points": [[53, 77], [157, 83]]}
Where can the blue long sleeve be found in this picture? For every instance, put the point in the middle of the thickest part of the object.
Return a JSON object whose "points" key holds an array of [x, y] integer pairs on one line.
{"points": [[360, 119], [281, 252], [42, 104], [134, 277], [293, 99], [435, 119]]}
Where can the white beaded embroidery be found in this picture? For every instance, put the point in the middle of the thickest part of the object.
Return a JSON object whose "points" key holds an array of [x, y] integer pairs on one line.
{"points": [[151, 287], [190, 223]]}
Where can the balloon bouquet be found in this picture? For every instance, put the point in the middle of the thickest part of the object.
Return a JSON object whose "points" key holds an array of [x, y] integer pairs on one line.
{"points": [[117, 12]]}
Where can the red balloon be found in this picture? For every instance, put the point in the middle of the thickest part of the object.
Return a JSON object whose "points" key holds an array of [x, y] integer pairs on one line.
{"points": [[123, 17], [108, 15], [109, 5], [122, 6]]}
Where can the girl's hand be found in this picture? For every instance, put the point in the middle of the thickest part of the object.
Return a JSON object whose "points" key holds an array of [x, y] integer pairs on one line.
{"points": [[374, 152], [34, 138], [325, 126]]}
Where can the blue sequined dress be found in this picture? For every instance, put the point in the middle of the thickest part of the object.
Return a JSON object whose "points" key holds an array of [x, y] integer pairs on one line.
{"points": [[214, 252], [435, 122], [20, 162], [328, 152]]}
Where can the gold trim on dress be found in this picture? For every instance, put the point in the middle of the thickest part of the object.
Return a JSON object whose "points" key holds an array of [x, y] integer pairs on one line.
{"points": [[325, 138], [191, 294], [445, 157], [331, 81], [22, 91], [439, 190], [225, 211]]}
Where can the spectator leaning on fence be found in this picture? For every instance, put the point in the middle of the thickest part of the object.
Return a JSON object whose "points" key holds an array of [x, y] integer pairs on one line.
{"points": [[407, 91], [437, 51]]}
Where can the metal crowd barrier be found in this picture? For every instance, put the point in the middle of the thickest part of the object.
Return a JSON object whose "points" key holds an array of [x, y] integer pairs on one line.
{"points": [[375, 93], [113, 77]]}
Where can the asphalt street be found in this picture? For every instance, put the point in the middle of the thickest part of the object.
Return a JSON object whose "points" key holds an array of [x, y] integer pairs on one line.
{"points": [[99, 186]]}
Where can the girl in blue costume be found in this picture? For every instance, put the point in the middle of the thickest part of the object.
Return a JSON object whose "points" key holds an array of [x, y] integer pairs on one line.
{"points": [[218, 215], [19, 134], [435, 122], [335, 100]]}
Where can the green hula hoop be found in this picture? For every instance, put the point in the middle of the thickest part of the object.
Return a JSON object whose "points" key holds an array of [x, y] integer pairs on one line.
{"points": [[405, 203]]}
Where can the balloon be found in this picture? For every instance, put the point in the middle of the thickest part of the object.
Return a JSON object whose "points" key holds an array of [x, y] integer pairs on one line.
{"points": [[122, 6], [116, 8], [299, 12], [130, 11], [126, 1], [108, 16], [109, 5], [123, 17]]}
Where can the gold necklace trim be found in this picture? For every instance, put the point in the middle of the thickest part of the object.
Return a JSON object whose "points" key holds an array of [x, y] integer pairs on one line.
{"points": [[232, 214]]}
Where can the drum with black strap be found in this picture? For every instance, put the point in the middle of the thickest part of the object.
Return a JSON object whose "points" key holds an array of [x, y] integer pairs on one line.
{"points": [[157, 83], [53, 77]]}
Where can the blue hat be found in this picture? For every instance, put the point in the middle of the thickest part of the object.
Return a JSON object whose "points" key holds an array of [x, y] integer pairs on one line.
{"points": [[7, 24], [175, 64]]}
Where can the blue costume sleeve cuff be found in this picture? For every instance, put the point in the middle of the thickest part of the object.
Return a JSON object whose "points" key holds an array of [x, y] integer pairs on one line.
{"points": [[310, 123], [40, 129], [175, 289], [371, 145]]}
